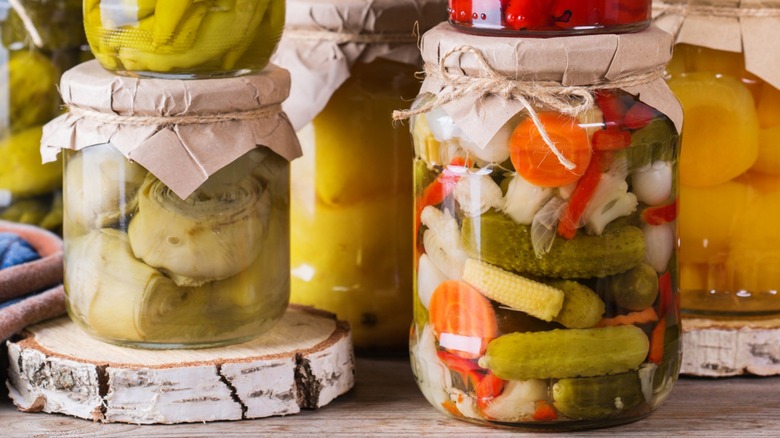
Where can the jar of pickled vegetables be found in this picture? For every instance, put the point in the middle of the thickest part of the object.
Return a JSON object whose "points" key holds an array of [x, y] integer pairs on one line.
{"points": [[729, 87], [176, 225], [549, 17], [352, 63], [545, 199], [183, 38], [40, 40]]}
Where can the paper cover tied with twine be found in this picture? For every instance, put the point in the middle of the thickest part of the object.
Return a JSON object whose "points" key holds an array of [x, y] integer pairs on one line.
{"points": [[182, 131], [322, 40], [482, 82], [751, 27]]}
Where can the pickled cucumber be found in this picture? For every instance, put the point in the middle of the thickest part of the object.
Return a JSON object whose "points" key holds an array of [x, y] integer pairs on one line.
{"points": [[597, 397], [566, 353], [582, 308], [656, 141], [635, 289], [497, 239]]}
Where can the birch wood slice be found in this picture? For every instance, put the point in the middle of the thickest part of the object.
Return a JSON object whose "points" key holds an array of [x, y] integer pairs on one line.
{"points": [[721, 347], [304, 362]]}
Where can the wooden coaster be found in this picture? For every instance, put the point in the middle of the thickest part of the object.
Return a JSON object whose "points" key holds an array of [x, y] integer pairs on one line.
{"points": [[305, 361], [722, 347]]}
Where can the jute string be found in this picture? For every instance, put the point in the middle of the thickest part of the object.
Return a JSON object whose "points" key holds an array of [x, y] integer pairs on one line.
{"points": [[256, 114], [29, 26], [340, 37], [570, 100], [686, 9]]}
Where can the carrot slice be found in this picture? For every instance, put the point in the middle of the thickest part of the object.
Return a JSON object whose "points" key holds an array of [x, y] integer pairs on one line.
{"points": [[489, 388], [534, 160], [570, 219], [460, 315], [656, 353], [640, 317]]}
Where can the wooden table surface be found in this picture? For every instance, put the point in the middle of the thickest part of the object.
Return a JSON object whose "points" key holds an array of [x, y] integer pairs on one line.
{"points": [[386, 402]]}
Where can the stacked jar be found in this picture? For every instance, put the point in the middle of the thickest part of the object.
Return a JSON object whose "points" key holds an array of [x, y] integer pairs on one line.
{"points": [[352, 62], [545, 199], [176, 174], [40, 40], [728, 84]]}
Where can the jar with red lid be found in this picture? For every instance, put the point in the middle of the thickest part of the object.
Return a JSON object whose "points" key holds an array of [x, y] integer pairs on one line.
{"points": [[549, 17]]}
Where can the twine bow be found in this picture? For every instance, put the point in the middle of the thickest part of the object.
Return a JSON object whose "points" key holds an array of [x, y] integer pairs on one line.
{"points": [[569, 100]]}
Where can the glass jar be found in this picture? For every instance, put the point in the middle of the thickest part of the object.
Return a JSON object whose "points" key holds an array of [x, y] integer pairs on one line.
{"points": [[549, 17], [351, 252], [157, 254], [729, 87], [546, 286], [40, 40], [183, 39], [729, 184]]}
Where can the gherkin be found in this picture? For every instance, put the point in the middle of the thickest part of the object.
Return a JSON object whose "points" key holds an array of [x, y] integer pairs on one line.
{"points": [[495, 238]]}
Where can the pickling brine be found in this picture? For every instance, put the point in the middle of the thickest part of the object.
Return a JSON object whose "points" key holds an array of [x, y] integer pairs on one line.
{"points": [[546, 292], [549, 17], [184, 38], [147, 268]]}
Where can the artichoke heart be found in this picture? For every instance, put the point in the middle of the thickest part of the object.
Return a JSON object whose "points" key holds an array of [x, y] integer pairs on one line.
{"points": [[211, 235], [101, 189], [111, 292]]}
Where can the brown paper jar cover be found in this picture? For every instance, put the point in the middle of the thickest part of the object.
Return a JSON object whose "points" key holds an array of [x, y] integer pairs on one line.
{"points": [[324, 39], [581, 61], [751, 27], [182, 131]]}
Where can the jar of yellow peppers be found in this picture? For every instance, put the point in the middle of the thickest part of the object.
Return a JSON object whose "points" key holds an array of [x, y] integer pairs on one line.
{"points": [[183, 38], [728, 84], [176, 225], [352, 63], [545, 201], [40, 40]]}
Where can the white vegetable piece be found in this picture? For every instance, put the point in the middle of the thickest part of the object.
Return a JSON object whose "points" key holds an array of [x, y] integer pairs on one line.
{"points": [[432, 375], [477, 193], [610, 201], [659, 245], [497, 149], [591, 120], [442, 126], [442, 242], [517, 402], [652, 184], [523, 199], [428, 278], [544, 225]]}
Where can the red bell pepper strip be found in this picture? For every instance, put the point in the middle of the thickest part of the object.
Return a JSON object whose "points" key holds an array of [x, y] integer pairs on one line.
{"points": [[470, 373], [667, 301], [639, 116], [612, 106], [439, 189], [611, 139], [544, 412], [660, 214], [489, 388], [569, 221]]}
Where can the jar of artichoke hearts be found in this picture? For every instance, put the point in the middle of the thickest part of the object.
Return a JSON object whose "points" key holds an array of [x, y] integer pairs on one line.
{"points": [[176, 198], [729, 87], [545, 193], [183, 38], [352, 63], [40, 39]]}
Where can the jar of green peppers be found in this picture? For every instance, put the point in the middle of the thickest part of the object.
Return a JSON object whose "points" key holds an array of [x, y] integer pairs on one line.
{"points": [[183, 38]]}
